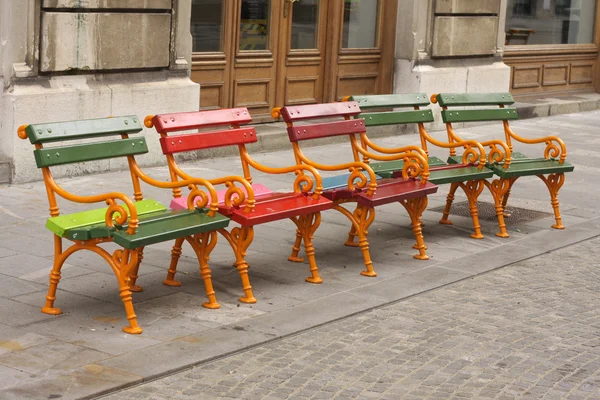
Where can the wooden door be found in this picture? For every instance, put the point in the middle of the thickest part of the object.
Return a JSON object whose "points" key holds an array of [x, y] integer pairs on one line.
{"points": [[362, 45], [259, 24], [302, 51], [266, 53]]}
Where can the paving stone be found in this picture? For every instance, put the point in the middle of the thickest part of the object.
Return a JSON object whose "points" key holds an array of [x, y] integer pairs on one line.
{"points": [[481, 368], [51, 358]]}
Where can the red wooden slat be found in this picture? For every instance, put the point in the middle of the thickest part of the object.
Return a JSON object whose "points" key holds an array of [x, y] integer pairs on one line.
{"points": [[298, 113], [280, 206], [326, 129], [207, 140], [165, 123], [389, 191]]}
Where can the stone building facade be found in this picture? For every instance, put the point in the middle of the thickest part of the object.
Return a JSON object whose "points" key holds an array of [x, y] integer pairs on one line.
{"points": [[75, 59]]}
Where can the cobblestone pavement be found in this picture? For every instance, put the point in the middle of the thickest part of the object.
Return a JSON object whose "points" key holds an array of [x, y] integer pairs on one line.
{"points": [[530, 330]]}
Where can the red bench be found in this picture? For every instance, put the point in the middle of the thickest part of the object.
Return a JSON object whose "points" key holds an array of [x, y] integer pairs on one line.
{"points": [[361, 186], [249, 204]]}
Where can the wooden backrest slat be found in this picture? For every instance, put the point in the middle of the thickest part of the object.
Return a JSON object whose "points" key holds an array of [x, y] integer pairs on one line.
{"points": [[325, 110], [494, 114], [391, 100], [48, 157], [326, 129], [71, 130], [165, 123], [206, 140], [397, 117], [474, 99]]}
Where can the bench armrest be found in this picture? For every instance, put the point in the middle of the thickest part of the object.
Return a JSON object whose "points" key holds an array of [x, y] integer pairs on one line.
{"points": [[500, 152], [357, 179], [115, 213], [211, 199], [415, 159], [303, 183], [473, 150], [555, 147]]}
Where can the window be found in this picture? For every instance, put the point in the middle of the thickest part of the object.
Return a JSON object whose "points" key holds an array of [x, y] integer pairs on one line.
{"points": [[207, 25], [550, 21]]}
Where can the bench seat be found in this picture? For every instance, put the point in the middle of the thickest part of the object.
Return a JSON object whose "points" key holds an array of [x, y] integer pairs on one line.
{"points": [[385, 169], [180, 203], [169, 225], [156, 224], [388, 191], [275, 207], [90, 224], [443, 173], [521, 165]]}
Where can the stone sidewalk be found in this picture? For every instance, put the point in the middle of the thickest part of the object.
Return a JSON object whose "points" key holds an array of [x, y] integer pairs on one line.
{"points": [[526, 331], [83, 352]]}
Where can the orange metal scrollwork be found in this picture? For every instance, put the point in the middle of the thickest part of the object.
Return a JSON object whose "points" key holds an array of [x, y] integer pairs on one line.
{"points": [[303, 183]]}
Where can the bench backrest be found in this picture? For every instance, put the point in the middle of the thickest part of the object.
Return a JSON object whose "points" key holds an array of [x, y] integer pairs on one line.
{"points": [[448, 100], [395, 117], [234, 135], [40, 134], [348, 109]]}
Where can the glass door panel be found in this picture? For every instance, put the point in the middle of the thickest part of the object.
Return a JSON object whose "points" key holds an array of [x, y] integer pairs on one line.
{"points": [[207, 25], [254, 25], [305, 25], [360, 24]]}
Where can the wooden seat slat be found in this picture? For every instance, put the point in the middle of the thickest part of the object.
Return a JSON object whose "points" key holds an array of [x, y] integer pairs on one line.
{"points": [[175, 122], [278, 206], [70, 130], [207, 140], [474, 99], [48, 157], [312, 111], [391, 100], [494, 114], [398, 117], [326, 129]]}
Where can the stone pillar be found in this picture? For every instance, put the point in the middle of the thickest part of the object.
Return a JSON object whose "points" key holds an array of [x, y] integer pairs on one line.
{"points": [[450, 46], [79, 59]]}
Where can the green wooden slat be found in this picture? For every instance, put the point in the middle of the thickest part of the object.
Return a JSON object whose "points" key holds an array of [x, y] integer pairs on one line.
{"points": [[69, 130], [514, 156], [531, 168], [495, 114], [391, 100], [459, 175], [441, 177], [71, 222], [182, 223], [397, 117], [474, 99], [89, 152], [389, 167]]}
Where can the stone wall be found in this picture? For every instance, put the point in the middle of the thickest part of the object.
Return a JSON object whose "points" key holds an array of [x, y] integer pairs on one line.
{"points": [[79, 59], [450, 46]]}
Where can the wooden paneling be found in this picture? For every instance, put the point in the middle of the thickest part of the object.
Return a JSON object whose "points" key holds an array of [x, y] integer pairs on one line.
{"points": [[555, 74], [532, 74], [302, 90], [252, 93], [581, 72], [356, 85], [526, 77]]}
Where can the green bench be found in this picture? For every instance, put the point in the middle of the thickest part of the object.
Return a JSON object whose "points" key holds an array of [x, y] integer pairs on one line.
{"points": [[484, 107], [130, 223], [469, 172]]}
